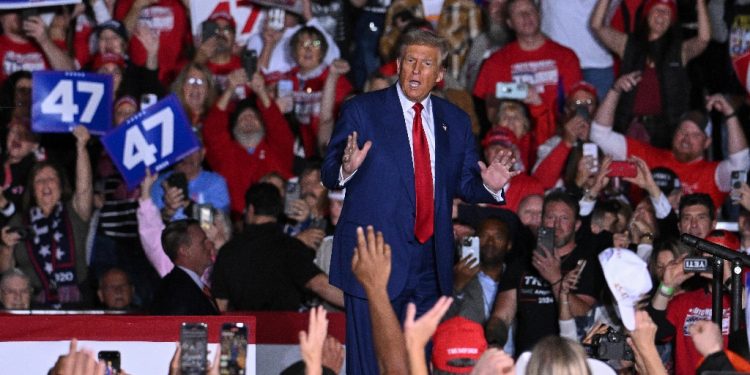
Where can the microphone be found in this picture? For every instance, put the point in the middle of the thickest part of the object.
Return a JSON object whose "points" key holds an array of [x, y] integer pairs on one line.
{"points": [[714, 249]]}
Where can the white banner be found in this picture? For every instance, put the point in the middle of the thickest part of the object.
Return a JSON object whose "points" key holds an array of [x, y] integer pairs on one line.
{"points": [[19, 4]]}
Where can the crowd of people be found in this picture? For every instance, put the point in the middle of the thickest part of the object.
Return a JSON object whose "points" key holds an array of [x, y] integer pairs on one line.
{"points": [[554, 153]]}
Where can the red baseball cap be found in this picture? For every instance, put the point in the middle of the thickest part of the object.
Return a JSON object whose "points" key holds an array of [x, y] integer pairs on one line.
{"points": [[672, 4], [222, 15], [724, 238], [499, 136], [582, 86], [108, 58], [457, 345]]}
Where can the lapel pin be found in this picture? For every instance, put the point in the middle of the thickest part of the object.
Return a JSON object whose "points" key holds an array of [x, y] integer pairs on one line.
{"points": [[445, 128]]}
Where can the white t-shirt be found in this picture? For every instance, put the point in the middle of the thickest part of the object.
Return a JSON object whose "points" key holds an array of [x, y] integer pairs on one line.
{"points": [[567, 23]]}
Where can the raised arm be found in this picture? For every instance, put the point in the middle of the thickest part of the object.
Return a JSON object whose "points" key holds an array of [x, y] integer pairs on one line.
{"points": [[328, 101], [58, 59], [614, 40], [134, 13], [697, 44], [738, 158], [83, 197]]}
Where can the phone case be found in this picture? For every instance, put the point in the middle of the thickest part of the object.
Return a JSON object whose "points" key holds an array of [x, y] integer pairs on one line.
{"points": [[622, 169]]}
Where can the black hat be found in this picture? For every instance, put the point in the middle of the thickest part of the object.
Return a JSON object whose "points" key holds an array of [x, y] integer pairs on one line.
{"points": [[699, 118], [115, 26], [666, 179]]}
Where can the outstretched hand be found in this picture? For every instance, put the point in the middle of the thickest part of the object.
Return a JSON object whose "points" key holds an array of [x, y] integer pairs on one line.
{"points": [[498, 173], [371, 263], [418, 332], [353, 155]]}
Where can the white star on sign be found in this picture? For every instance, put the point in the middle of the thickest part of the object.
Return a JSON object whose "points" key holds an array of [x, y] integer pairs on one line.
{"points": [[60, 254], [48, 267], [57, 236], [44, 251]]}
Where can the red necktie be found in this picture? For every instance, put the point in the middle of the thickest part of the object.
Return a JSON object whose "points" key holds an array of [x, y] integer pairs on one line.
{"points": [[424, 225], [208, 294]]}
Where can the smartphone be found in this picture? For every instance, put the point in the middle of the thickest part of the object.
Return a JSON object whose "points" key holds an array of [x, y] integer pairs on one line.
{"points": [[511, 90], [276, 18], [28, 13], [147, 100], [250, 62], [233, 349], [25, 233], [622, 169], [470, 248], [209, 29], [293, 192], [579, 267], [179, 180], [285, 88], [591, 149], [111, 361], [737, 178], [194, 345], [205, 215], [583, 111], [545, 237]]}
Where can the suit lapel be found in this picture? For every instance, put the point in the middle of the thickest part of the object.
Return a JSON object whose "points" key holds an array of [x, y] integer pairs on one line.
{"points": [[442, 150], [398, 144]]}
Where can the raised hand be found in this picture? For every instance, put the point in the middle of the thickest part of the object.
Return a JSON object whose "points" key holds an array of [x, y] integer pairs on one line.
{"points": [[627, 82], [353, 155], [418, 332], [498, 173], [371, 263]]}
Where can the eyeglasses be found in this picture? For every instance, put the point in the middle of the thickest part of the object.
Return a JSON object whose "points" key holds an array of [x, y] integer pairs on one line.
{"points": [[224, 31], [582, 102], [195, 81], [314, 44]]}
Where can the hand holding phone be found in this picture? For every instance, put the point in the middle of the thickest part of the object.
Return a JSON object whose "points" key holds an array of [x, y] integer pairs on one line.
{"points": [[470, 249], [736, 181], [579, 268], [545, 240], [194, 345], [623, 169]]}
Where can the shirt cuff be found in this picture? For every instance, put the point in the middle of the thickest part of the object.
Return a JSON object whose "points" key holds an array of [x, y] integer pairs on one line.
{"points": [[342, 180], [8, 212], [585, 207], [498, 197], [661, 206]]}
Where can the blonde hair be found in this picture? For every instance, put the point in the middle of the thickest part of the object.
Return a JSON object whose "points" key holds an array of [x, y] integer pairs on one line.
{"points": [[211, 91], [554, 355], [513, 106]]}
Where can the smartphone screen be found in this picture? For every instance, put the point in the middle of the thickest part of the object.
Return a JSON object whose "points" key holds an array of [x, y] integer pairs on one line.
{"points": [[111, 361], [545, 238], [233, 348], [194, 344]]}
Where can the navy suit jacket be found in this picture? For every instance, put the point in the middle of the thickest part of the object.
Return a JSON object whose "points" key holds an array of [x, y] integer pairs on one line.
{"points": [[178, 294], [382, 194]]}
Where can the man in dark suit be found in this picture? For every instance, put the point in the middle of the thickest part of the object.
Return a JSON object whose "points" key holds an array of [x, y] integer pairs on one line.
{"points": [[182, 292], [404, 189]]}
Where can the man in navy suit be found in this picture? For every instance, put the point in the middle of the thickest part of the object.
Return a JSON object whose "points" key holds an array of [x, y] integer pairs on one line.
{"points": [[181, 291], [404, 188]]}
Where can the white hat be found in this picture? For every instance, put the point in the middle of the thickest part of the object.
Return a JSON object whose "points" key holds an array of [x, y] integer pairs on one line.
{"points": [[596, 366], [628, 278]]}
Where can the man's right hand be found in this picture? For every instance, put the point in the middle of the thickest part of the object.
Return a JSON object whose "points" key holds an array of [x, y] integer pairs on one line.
{"points": [[463, 272], [353, 155], [311, 237]]}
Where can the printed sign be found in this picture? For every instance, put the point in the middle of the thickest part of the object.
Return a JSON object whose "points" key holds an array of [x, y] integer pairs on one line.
{"points": [[156, 138], [62, 100], [18, 4], [739, 45]]}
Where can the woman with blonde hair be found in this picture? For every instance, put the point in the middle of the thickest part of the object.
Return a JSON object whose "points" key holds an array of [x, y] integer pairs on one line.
{"points": [[196, 88], [554, 355]]}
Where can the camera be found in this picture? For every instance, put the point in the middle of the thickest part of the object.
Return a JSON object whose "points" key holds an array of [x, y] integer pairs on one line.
{"points": [[698, 264], [25, 233], [611, 345]]}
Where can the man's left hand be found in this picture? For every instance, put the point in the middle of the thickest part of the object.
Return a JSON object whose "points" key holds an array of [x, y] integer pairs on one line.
{"points": [[498, 173]]}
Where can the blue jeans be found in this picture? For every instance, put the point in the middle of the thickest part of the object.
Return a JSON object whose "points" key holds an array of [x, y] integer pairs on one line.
{"points": [[601, 78], [365, 60]]}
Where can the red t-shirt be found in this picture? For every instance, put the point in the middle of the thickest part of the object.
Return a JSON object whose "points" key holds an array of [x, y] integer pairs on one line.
{"points": [[169, 18], [695, 177], [684, 310], [521, 186], [545, 68], [22, 56], [307, 96], [81, 46]]}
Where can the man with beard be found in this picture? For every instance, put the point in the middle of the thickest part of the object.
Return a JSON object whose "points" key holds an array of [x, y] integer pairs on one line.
{"points": [[528, 292], [689, 141], [475, 285], [495, 36], [216, 51]]}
